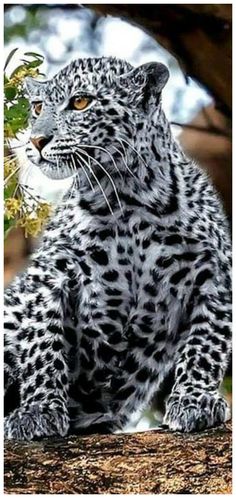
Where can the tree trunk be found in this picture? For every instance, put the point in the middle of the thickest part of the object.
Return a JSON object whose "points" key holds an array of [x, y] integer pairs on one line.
{"points": [[147, 462], [199, 36]]}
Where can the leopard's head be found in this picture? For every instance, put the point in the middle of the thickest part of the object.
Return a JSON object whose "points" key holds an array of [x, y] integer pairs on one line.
{"points": [[89, 116]]}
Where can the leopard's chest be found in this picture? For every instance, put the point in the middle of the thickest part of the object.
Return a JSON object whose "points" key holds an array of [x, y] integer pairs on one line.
{"points": [[123, 273], [124, 304], [115, 265]]}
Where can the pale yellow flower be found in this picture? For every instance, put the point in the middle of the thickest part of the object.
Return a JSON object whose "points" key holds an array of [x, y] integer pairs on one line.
{"points": [[8, 133], [18, 78], [32, 226], [43, 210], [9, 167], [12, 207]]}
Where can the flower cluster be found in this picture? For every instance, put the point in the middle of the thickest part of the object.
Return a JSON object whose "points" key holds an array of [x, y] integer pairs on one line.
{"points": [[18, 78], [32, 219], [10, 166], [12, 207], [34, 223]]}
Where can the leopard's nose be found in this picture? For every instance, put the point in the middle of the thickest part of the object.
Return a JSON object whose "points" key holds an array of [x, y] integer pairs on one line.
{"points": [[40, 142]]}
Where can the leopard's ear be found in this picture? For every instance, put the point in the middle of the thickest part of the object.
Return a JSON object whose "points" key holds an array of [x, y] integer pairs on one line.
{"points": [[33, 87], [156, 75], [149, 79]]}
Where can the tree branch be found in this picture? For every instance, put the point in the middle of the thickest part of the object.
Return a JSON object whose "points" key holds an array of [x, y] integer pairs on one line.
{"points": [[148, 462], [199, 36], [211, 129]]}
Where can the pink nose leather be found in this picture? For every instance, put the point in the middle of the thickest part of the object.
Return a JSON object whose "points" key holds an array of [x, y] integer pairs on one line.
{"points": [[40, 142]]}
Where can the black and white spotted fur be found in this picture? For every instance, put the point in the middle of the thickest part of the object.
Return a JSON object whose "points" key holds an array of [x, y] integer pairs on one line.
{"points": [[132, 278]]}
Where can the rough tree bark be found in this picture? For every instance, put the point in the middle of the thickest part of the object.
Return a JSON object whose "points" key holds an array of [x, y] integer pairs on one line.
{"points": [[198, 35], [150, 462]]}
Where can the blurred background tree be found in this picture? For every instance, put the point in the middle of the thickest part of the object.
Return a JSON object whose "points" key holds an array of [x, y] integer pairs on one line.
{"points": [[200, 37]]}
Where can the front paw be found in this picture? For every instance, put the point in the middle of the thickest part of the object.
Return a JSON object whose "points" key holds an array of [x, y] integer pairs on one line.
{"points": [[35, 421], [190, 413]]}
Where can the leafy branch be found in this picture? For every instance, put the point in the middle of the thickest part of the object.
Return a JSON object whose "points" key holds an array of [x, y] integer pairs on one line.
{"points": [[21, 208]]}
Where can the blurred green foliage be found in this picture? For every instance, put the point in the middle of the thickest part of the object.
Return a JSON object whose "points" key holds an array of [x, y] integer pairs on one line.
{"points": [[26, 24]]}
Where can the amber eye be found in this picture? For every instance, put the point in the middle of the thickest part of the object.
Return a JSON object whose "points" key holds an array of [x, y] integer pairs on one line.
{"points": [[37, 106], [80, 103]]}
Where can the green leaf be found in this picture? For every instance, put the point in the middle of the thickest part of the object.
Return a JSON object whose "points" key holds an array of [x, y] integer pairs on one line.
{"points": [[33, 54], [9, 57], [10, 92], [10, 188], [34, 64], [8, 225], [227, 384], [21, 66]]}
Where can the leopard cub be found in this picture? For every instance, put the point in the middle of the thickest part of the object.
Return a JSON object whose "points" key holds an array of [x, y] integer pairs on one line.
{"points": [[131, 281]]}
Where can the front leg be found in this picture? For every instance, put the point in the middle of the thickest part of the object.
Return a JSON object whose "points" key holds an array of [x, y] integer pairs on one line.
{"points": [[42, 356], [13, 312], [195, 402]]}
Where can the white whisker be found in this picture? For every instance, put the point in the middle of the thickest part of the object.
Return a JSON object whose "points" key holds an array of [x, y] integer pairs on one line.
{"points": [[133, 148], [84, 170], [58, 167], [97, 181], [107, 174], [106, 152], [8, 144], [11, 175], [10, 158], [26, 172], [125, 163], [73, 185]]}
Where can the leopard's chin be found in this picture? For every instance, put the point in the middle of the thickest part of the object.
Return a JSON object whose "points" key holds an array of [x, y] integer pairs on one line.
{"points": [[55, 172]]}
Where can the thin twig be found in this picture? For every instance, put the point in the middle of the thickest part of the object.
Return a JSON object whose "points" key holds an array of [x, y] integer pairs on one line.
{"points": [[213, 130]]}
